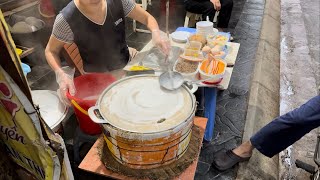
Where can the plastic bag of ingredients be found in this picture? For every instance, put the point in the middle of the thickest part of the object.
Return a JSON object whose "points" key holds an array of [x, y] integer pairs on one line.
{"points": [[155, 59]]}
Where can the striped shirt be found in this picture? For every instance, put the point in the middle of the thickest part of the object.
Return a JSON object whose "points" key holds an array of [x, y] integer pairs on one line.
{"points": [[62, 31]]}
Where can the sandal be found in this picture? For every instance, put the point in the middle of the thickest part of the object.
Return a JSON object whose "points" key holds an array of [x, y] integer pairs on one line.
{"points": [[225, 160]]}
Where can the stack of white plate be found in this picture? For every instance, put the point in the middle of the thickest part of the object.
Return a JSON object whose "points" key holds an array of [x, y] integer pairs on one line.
{"points": [[204, 27], [52, 110], [180, 36]]}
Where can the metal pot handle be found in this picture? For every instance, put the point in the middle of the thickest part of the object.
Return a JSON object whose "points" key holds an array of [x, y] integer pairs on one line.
{"points": [[191, 86], [95, 115]]}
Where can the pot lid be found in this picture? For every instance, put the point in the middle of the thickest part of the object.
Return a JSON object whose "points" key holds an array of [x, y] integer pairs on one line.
{"points": [[139, 104]]}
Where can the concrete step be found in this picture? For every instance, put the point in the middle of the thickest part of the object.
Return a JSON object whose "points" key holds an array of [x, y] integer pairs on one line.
{"points": [[298, 77], [264, 93], [286, 74]]}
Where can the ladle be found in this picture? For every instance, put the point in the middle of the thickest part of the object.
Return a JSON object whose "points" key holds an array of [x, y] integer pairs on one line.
{"points": [[172, 80]]}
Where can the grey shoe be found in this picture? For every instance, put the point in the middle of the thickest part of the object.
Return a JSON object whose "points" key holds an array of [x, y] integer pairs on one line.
{"points": [[224, 160]]}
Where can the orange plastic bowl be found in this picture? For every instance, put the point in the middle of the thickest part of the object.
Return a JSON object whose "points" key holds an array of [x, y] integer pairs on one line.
{"points": [[212, 78]]}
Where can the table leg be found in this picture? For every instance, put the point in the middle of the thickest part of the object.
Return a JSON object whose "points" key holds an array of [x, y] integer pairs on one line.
{"points": [[210, 111]]}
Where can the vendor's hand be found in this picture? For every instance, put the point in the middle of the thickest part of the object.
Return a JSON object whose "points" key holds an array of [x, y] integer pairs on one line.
{"points": [[161, 41], [216, 4], [64, 78]]}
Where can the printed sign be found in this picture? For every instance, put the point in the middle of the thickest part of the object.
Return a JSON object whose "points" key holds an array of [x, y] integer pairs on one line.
{"points": [[22, 140], [20, 128]]}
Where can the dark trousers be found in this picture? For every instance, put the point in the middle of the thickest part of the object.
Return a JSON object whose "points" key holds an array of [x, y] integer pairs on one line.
{"points": [[200, 99], [206, 8], [288, 128]]}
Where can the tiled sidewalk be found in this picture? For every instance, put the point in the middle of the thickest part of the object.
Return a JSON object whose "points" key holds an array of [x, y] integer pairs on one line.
{"points": [[232, 103]]}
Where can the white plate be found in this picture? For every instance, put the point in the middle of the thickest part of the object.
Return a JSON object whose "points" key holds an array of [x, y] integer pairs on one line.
{"points": [[180, 36]]}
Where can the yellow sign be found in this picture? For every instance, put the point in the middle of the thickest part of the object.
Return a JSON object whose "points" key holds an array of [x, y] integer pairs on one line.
{"points": [[20, 127], [20, 136]]}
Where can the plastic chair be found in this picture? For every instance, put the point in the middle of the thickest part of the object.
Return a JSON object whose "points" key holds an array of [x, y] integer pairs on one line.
{"points": [[191, 18], [71, 54], [197, 17]]}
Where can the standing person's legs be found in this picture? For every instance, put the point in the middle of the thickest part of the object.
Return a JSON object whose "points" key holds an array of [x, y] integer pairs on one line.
{"points": [[225, 13], [275, 136], [205, 8], [288, 128]]}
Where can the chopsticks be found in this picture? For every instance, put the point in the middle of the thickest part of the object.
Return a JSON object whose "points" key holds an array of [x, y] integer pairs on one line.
{"points": [[213, 65]]}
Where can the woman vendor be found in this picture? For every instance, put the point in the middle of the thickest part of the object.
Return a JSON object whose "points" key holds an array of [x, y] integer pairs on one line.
{"points": [[97, 27]]}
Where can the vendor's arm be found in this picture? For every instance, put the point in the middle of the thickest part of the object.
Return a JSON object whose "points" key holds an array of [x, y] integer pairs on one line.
{"points": [[61, 34], [52, 53], [64, 76], [142, 16]]}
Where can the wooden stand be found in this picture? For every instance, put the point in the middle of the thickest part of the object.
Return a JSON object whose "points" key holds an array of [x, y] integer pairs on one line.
{"points": [[92, 162]]}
